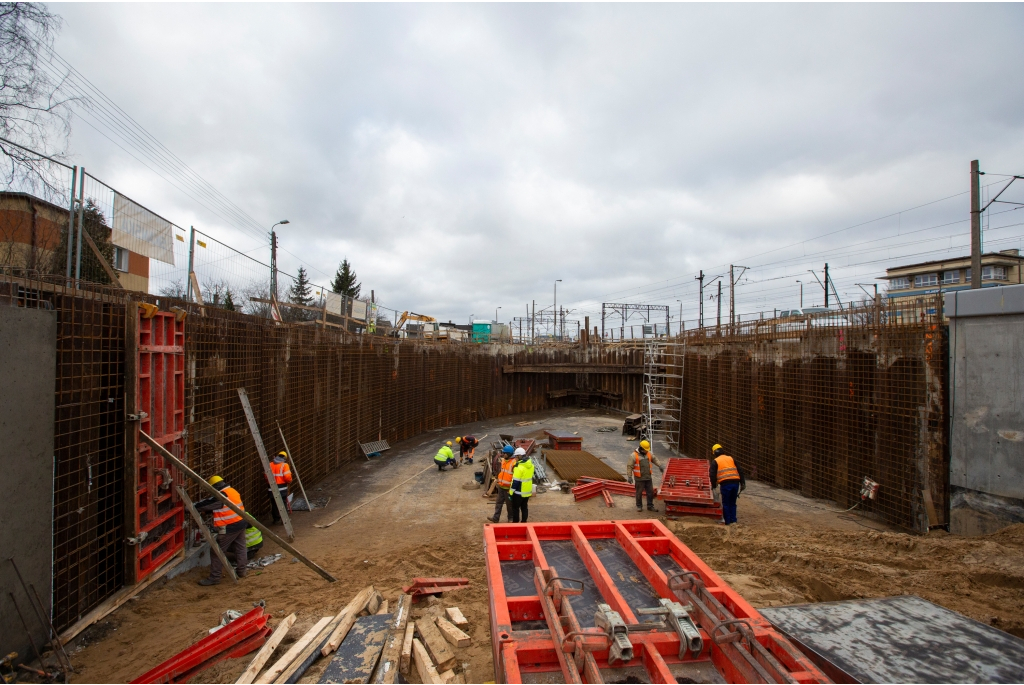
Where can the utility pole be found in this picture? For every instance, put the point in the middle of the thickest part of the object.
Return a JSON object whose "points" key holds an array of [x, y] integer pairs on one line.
{"points": [[533, 323], [975, 226], [700, 311], [826, 285], [554, 310], [191, 261], [718, 324], [273, 258], [732, 294]]}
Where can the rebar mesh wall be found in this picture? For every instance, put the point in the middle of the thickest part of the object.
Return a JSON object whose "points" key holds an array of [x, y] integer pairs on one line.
{"points": [[818, 406]]}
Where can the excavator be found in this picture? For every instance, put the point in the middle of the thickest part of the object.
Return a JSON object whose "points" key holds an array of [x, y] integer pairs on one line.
{"points": [[412, 316]]}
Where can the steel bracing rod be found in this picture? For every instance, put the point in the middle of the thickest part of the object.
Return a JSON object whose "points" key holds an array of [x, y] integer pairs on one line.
{"points": [[1000, 193], [552, 615]]}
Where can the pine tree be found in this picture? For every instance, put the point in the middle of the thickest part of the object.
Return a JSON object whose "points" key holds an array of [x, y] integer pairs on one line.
{"points": [[95, 224], [229, 302], [345, 282]]}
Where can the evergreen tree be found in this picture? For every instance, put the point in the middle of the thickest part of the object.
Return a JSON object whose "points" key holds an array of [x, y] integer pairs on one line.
{"points": [[300, 291], [229, 302], [345, 282], [96, 226]]}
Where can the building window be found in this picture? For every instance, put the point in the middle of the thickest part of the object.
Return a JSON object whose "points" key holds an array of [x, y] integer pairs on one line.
{"points": [[120, 259], [950, 277], [901, 283], [993, 273], [925, 280]]}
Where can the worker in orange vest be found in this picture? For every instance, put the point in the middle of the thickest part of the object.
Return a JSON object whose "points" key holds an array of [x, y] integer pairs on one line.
{"points": [[504, 478], [282, 478], [728, 475], [638, 472], [230, 529], [467, 448]]}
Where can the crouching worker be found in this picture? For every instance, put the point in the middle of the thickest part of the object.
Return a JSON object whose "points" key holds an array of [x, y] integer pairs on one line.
{"points": [[230, 529], [445, 457], [253, 544]]}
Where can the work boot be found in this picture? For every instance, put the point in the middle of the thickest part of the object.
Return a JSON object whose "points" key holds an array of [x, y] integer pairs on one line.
{"points": [[639, 508], [491, 519], [242, 573], [651, 508], [210, 581]]}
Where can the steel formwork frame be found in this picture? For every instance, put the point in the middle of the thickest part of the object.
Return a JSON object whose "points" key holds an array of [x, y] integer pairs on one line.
{"points": [[737, 641]]}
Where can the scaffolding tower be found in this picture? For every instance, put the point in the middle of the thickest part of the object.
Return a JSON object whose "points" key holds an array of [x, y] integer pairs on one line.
{"points": [[663, 382]]}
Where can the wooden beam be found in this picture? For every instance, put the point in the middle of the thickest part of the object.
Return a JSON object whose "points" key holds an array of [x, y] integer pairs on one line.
{"points": [[443, 656], [262, 656], [311, 653], [455, 637], [214, 547], [111, 274], [571, 368], [351, 611], [455, 616], [405, 662], [279, 667], [427, 672], [261, 450], [391, 657], [183, 467]]}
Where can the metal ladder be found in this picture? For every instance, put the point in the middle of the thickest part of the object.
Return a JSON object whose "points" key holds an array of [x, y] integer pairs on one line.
{"points": [[662, 403]]}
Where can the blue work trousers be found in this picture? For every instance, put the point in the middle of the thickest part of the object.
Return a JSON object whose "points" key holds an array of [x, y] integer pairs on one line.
{"points": [[730, 491]]}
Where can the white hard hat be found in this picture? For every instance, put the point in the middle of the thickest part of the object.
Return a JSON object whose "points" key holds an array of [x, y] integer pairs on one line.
{"points": [[520, 452]]}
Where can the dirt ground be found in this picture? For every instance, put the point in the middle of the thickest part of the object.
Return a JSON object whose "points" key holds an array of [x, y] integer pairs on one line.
{"points": [[786, 549]]}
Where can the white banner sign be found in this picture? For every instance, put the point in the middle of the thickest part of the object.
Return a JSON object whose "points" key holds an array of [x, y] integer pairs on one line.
{"points": [[335, 303], [359, 310], [139, 230]]}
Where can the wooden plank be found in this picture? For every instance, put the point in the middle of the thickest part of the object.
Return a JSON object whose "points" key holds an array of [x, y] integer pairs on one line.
{"points": [[405, 662], [455, 637], [443, 656], [447, 676], [352, 609], [291, 462], [310, 654], [281, 664], [262, 656], [201, 482], [262, 451], [391, 658], [426, 670], [214, 547], [115, 601], [111, 274], [382, 609], [357, 656], [454, 615]]}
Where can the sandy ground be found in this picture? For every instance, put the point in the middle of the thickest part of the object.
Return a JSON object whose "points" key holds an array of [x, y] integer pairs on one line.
{"points": [[786, 549]]}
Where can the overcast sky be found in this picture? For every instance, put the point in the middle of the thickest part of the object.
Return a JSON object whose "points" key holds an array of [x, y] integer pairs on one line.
{"points": [[463, 157]]}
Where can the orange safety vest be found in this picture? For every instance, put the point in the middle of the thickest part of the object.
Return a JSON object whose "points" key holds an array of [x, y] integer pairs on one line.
{"points": [[505, 477], [727, 468], [282, 472], [636, 463], [224, 516]]}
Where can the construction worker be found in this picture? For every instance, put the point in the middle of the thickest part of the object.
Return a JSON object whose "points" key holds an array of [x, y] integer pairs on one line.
{"points": [[504, 478], [282, 478], [230, 529], [522, 486], [253, 544], [638, 472], [444, 457], [467, 448], [725, 472]]}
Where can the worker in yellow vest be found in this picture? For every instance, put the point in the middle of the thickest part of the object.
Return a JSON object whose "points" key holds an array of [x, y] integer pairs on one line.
{"points": [[727, 474], [522, 486], [638, 472], [507, 466], [230, 529], [445, 458]]}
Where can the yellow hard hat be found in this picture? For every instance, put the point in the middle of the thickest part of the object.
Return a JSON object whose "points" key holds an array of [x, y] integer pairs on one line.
{"points": [[458, 439], [717, 447], [449, 443], [282, 453], [214, 480], [646, 445]]}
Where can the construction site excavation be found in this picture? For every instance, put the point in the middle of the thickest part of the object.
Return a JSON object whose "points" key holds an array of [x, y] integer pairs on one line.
{"points": [[685, 344]]}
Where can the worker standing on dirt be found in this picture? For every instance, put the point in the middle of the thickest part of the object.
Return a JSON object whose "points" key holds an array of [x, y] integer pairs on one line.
{"points": [[504, 478], [230, 528], [638, 469], [282, 478], [467, 448], [445, 457], [522, 486], [725, 472]]}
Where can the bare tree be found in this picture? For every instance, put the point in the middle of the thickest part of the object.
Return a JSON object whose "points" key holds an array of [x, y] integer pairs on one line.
{"points": [[34, 109]]}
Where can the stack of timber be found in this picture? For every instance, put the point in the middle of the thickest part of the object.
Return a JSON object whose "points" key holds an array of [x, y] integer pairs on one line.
{"points": [[429, 646]]}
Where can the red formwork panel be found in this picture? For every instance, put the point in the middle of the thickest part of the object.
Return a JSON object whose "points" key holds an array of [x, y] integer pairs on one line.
{"points": [[160, 399], [686, 489], [547, 583]]}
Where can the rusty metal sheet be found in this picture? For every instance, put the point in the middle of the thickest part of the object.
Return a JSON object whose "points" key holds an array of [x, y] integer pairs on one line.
{"points": [[572, 464]]}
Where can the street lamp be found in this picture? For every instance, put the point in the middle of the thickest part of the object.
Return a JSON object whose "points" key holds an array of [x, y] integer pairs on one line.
{"points": [[680, 316], [496, 314], [555, 310], [801, 293], [273, 257]]}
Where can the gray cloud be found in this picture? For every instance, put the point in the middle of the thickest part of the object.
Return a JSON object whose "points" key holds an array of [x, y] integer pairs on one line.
{"points": [[612, 146]]}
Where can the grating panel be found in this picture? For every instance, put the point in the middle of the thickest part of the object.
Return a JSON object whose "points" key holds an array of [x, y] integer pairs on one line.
{"points": [[574, 464]]}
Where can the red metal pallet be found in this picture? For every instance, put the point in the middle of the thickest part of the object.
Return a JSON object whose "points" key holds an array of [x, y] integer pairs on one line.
{"points": [[566, 598], [421, 587], [236, 639], [686, 489], [588, 487], [160, 399]]}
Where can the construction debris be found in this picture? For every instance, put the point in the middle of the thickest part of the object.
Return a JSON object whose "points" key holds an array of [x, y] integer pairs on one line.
{"points": [[453, 635], [263, 562], [281, 665], [435, 643], [424, 667], [357, 656], [392, 655], [454, 615], [236, 639], [262, 656], [593, 487]]}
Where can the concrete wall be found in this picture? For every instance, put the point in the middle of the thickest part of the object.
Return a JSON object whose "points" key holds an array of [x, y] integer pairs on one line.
{"points": [[28, 360], [987, 407]]}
